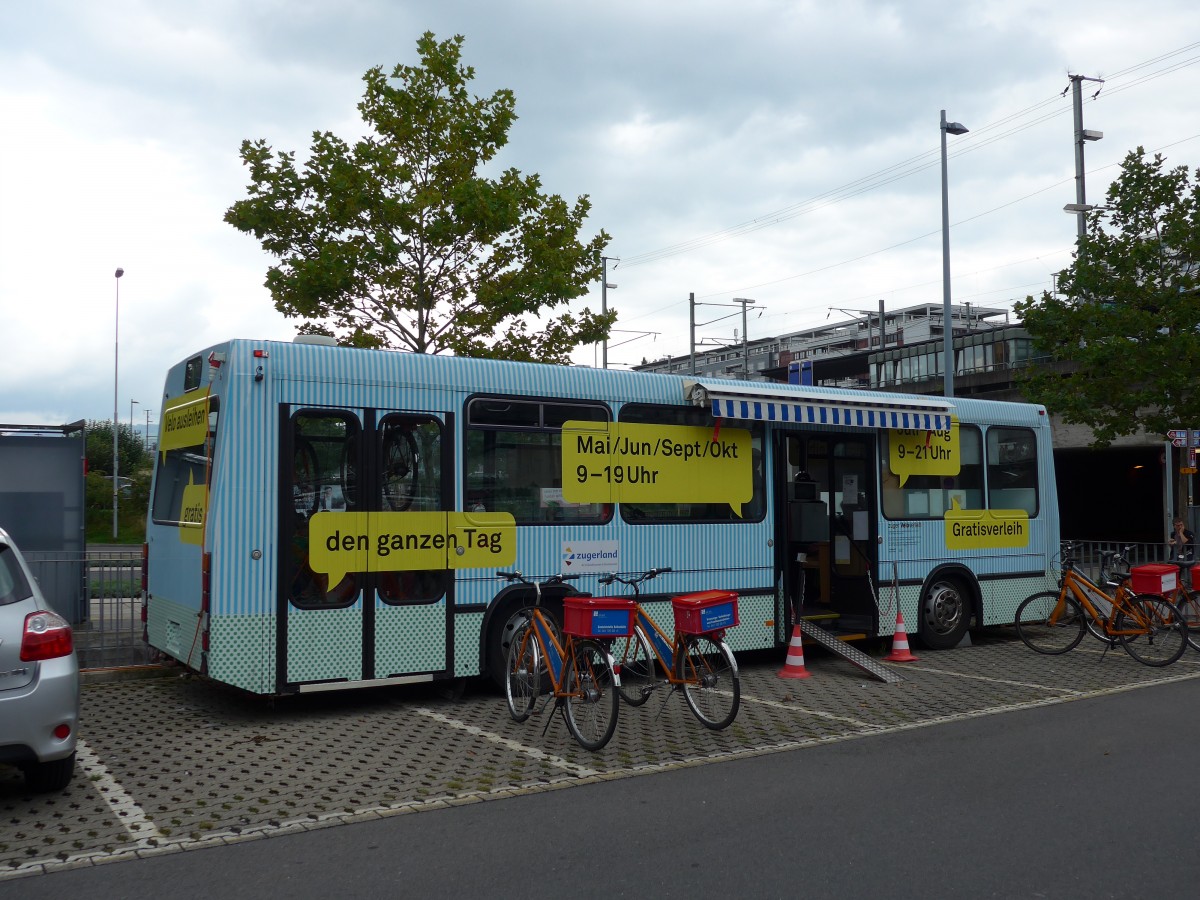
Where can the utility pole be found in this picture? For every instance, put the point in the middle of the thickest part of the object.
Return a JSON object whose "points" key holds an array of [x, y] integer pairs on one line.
{"points": [[692, 328], [604, 286], [744, 301], [1081, 135]]}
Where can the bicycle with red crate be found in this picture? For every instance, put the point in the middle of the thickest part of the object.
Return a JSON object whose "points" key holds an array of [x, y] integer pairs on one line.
{"points": [[695, 660], [1163, 579], [577, 660]]}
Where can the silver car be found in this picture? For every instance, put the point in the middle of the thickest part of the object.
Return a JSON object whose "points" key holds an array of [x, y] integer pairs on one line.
{"points": [[39, 679]]}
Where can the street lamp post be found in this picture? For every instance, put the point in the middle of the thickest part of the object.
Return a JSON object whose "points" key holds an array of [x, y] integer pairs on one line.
{"points": [[116, 370], [132, 404], [947, 313], [146, 434]]}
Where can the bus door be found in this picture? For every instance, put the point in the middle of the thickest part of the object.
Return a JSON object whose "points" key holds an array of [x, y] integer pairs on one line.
{"points": [[829, 527], [360, 611]]}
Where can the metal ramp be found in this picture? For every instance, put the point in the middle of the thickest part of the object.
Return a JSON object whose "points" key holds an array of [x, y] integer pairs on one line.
{"points": [[830, 641]]}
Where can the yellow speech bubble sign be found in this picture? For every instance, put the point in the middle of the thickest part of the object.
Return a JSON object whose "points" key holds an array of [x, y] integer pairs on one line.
{"points": [[184, 422], [193, 509], [985, 529], [919, 452], [632, 462], [341, 542]]}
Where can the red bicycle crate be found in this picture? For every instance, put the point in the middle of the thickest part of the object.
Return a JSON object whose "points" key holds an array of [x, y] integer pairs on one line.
{"points": [[705, 611], [1155, 578], [604, 617]]}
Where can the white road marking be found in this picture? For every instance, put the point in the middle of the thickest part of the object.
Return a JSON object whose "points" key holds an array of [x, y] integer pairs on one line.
{"points": [[791, 707], [507, 742], [124, 807], [1040, 687]]}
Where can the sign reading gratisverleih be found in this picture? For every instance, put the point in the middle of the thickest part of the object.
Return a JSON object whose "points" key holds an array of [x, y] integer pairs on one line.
{"points": [[626, 462]]}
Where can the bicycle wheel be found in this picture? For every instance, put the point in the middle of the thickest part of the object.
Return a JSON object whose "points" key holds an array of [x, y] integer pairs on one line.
{"points": [[400, 465], [592, 701], [1152, 630], [350, 472], [711, 686], [1188, 604], [305, 495], [522, 685], [1050, 623], [635, 663]]}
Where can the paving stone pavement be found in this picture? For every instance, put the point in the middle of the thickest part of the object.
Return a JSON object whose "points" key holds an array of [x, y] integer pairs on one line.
{"points": [[175, 762]]}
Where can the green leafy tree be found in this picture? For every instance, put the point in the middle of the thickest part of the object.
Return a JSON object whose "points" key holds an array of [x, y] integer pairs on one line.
{"points": [[400, 241], [131, 453], [1122, 333]]}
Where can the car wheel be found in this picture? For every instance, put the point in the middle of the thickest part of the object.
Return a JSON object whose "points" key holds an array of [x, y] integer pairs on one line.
{"points": [[50, 776]]}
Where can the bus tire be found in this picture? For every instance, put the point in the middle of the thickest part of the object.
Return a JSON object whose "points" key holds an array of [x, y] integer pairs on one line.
{"points": [[507, 623], [945, 613]]}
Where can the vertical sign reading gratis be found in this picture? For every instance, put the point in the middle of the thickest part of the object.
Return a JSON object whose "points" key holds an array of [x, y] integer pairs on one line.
{"points": [[615, 462], [185, 424]]}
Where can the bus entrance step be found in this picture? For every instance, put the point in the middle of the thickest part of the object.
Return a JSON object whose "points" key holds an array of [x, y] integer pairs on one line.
{"points": [[820, 616], [830, 642]]}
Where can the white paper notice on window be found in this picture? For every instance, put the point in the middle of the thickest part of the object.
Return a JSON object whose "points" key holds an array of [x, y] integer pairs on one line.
{"points": [[841, 549]]}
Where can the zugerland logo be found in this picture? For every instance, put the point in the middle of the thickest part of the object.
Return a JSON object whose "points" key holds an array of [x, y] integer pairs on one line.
{"points": [[591, 556]]}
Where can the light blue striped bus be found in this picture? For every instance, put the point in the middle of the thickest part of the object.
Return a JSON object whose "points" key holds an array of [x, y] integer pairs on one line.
{"points": [[327, 517]]}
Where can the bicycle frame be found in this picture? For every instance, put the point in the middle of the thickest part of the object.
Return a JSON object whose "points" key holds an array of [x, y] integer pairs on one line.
{"points": [[666, 650], [555, 653], [1082, 588]]}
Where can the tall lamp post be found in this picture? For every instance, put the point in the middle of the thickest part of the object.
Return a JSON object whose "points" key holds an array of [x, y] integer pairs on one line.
{"points": [[132, 404], [947, 316], [146, 434], [116, 369]]}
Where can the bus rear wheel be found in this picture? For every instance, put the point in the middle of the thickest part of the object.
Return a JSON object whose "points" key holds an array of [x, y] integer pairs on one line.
{"points": [[945, 614]]}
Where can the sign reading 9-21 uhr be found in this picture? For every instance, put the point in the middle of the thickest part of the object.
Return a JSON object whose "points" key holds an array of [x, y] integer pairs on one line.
{"points": [[624, 462]]}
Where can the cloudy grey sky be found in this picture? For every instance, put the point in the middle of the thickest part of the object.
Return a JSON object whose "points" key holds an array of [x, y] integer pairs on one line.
{"points": [[783, 151]]}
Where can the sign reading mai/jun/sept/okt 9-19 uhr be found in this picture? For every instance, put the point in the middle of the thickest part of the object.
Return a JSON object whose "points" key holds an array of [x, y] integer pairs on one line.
{"points": [[918, 452], [627, 462]]}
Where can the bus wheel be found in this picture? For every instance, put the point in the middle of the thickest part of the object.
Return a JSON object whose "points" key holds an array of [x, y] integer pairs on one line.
{"points": [[504, 629], [508, 625], [945, 614]]}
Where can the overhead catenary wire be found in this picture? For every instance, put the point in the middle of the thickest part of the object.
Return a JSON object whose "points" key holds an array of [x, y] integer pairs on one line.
{"points": [[983, 136]]}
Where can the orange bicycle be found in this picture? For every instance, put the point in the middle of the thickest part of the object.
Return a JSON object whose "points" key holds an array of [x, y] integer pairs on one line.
{"points": [[696, 661], [1149, 627], [1186, 600], [578, 664]]}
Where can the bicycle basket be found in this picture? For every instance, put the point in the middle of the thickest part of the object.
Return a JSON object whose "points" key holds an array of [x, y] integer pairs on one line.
{"points": [[606, 617], [705, 611]]}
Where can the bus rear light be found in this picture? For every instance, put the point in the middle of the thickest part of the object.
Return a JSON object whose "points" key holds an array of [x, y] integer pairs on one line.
{"points": [[47, 636], [145, 567]]}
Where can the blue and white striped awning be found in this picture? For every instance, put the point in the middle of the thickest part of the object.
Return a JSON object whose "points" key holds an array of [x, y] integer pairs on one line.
{"points": [[805, 406]]}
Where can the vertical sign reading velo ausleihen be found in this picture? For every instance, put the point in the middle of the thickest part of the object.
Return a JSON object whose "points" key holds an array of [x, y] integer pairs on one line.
{"points": [[627, 462]]}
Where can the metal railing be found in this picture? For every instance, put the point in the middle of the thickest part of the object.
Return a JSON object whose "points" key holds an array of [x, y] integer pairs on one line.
{"points": [[100, 594], [1087, 553]]}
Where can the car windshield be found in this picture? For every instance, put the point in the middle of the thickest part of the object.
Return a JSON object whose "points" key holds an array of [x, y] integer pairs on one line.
{"points": [[13, 586]]}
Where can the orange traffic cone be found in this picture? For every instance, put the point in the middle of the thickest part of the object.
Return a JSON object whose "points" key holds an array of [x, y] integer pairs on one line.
{"points": [[794, 666], [900, 651]]}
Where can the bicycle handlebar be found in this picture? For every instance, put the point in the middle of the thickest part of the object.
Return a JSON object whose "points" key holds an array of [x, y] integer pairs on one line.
{"points": [[549, 579], [634, 580]]}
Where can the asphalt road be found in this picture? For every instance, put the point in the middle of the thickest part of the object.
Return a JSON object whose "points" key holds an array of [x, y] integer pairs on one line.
{"points": [[1084, 798]]}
